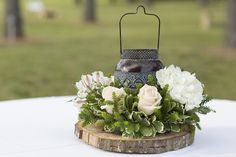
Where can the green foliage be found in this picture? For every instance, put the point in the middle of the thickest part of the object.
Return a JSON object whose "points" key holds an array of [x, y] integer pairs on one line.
{"points": [[127, 120], [150, 80]]}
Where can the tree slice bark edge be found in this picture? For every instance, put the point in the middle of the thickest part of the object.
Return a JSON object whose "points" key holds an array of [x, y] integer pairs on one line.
{"points": [[96, 137]]}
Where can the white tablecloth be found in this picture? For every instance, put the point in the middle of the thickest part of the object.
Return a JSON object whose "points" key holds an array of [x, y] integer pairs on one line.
{"points": [[43, 127]]}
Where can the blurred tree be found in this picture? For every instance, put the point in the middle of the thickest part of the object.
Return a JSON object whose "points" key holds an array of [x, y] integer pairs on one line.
{"points": [[231, 24], [131, 1], [77, 2], [148, 2], [113, 1], [89, 15], [205, 20], [13, 21]]}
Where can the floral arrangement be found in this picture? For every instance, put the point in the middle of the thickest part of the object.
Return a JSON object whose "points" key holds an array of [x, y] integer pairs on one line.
{"points": [[171, 104]]}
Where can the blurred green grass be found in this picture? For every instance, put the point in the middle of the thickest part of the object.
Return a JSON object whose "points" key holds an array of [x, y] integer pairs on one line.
{"points": [[56, 52]]}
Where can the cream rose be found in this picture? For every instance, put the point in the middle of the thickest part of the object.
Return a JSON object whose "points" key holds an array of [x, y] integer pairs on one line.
{"points": [[108, 91], [107, 95], [149, 99]]}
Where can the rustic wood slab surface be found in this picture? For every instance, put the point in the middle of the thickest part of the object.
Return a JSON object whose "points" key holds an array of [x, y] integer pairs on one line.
{"points": [[149, 145]]}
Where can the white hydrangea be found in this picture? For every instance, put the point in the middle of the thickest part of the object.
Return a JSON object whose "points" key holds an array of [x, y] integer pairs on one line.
{"points": [[88, 83], [184, 87]]}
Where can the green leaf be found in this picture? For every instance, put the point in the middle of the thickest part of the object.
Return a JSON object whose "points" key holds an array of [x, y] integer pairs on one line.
{"points": [[118, 116], [130, 129], [85, 122], [150, 80], [159, 126], [195, 117], [129, 102], [109, 102], [130, 115], [153, 118], [107, 117], [136, 90], [164, 91], [173, 104], [205, 100], [135, 104], [145, 122], [204, 110], [136, 127], [117, 83], [109, 128], [174, 117], [146, 131], [158, 114], [166, 105], [175, 128], [198, 126], [137, 116], [99, 123]]}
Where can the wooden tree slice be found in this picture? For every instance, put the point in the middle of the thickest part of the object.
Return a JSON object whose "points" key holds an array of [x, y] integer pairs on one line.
{"points": [[96, 137]]}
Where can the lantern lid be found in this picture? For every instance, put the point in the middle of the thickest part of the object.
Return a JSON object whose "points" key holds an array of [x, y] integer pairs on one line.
{"points": [[139, 54]]}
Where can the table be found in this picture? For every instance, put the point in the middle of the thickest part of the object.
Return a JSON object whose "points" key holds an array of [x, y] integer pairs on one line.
{"points": [[43, 127]]}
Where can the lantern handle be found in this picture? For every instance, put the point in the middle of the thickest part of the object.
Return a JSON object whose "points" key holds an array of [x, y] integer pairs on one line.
{"points": [[144, 11]]}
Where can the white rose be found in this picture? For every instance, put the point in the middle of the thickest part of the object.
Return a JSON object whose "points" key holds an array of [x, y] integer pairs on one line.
{"points": [[184, 87], [149, 99], [108, 91], [107, 95]]}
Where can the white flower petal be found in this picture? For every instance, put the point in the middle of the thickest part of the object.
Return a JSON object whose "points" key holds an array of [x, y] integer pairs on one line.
{"points": [[184, 87], [108, 108]]}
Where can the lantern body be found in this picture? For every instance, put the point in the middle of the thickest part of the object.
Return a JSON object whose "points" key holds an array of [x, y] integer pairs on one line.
{"points": [[135, 65]]}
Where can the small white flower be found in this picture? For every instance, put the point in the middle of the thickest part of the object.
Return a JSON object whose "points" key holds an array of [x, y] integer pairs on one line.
{"points": [[78, 102], [108, 108], [149, 99], [82, 90], [88, 82], [109, 90], [100, 79], [184, 87]]}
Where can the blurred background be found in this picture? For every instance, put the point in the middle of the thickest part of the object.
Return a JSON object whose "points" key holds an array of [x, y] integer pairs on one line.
{"points": [[45, 45]]}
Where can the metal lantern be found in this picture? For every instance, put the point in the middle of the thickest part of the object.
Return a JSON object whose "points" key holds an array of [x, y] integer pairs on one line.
{"points": [[136, 64]]}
